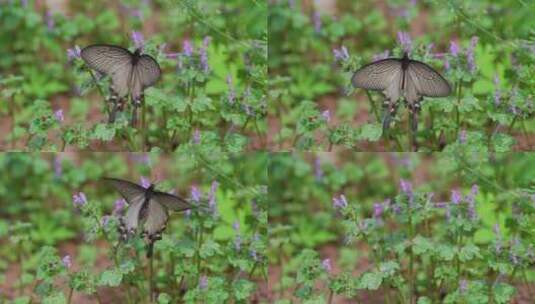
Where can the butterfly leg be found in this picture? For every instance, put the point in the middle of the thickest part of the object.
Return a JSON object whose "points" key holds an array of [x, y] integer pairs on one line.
{"points": [[114, 101], [136, 103], [414, 109]]}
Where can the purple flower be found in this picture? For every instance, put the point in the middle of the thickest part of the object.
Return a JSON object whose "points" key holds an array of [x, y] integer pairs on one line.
{"points": [[405, 40], [212, 197], [341, 54], [187, 48], [448, 212], [24, 3], [138, 40], [195, 194], [381, 56], [79, 199], [462, 137], [203, 282], [339, 203], [105, 220], [318, 173], [231, 92], [291, 4], [74, 53], [470, 54], [326, 115], [237, 242], [49, 21], [497, 92], [446, 63], [463, 286], [196, 136], [316, 19], [66, 261], [203, 52], [59, 115], [119, 205], [326, 264], [406, 187], [378, 209], [145, 182], [454, 48], [236, 226], [456, 197], [57, 165], [474, 190]]}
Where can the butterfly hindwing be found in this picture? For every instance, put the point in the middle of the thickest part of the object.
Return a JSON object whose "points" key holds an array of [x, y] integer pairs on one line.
{"points": [[156, 218], [427, 81], [148, 70]]}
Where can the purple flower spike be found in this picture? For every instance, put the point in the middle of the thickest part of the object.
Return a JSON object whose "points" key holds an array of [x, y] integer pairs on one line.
{"points": [[341, 54], [318, 173], [326, 115], [79, 199], [454, 48], [145, 182], [470, 54], [195, 194], [406, 187], [326, 264], [381, 56], [59, 115], [231, 91], [58, 170], [119, 205], [212, 203], [378, 209], [66, 261], [462, 137], [49, 21], [196, 136], [105, 220], [405, 41], [339, 203], [497, 91], [138, 40], [463, 286], [203, 282], [74, 53], [456, 197], [446, 63], [187, 48], [203, 52], [316, 20]]}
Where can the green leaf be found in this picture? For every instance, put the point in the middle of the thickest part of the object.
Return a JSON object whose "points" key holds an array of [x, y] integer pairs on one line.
{"points": [[370, 281], [469, 252], [421, 245], [243, 289], [371, 132], [111, 278], [164, 298], [104, 132]]}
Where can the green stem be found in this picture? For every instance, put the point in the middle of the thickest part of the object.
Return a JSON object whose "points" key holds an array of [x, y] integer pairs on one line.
{"points": [[373, 107], [151, 274], [411, 261], [143, 125], [69, 299], [457, 112]]}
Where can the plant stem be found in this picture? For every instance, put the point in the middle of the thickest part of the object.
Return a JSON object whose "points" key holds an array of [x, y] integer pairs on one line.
{"points": [[151, 273], [70, 296], [411, 260], [457, 113], [330, 300], [373, 107], [143, 125], [19, 256]]}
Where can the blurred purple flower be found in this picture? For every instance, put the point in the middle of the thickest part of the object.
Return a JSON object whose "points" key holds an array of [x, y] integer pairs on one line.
{"points": [[405, 41], [203, 282], [66, 261], [341, 54], [318, 173], [57, 165], [59, 115], [326, 264], [187, 48], [237, 242], [448, 212], [145, 182], [119, 205], [497, 91], [462, 136], [136, 13], [470, 54], [49, 21], [456, 197], [105, 220], [381, 56], [74, 53], [316, 20], [203, 52], [339, 203], [195, 194], [137, 38], [231, 91], [326, 115], [24, 3], [291, 4], [513, 257], [474, 190], [463, 286], [378, 209], [406, 187], [79, 199], [196, 136], [454, 48], [212, 197], [446, 63]]}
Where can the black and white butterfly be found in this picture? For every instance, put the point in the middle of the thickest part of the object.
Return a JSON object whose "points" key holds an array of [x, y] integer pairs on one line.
{"points": [[130, 73], [401, 77], [147, 208]]}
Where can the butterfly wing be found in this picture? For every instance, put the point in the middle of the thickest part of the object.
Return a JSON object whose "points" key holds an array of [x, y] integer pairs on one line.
{"points": [[134, 194], [171, 202], [105, 58], [148, 70], [156, 218], [121, 79], [130, 220], [427, 81], [377, 75]]}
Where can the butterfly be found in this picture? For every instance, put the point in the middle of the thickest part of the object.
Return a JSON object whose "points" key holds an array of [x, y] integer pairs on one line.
{"points": [[401, 77], [130, 73], [148, 208]]}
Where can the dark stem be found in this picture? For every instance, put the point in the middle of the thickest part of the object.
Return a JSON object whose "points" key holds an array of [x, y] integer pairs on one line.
{"points": [[151, 272]]}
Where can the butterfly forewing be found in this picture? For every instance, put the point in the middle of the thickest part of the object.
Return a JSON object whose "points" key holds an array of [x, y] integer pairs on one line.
{"points": [[376, 75], [427, 81], [156, 219], [131, 192], [105, 58], [171, 202], [120, 82]]}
